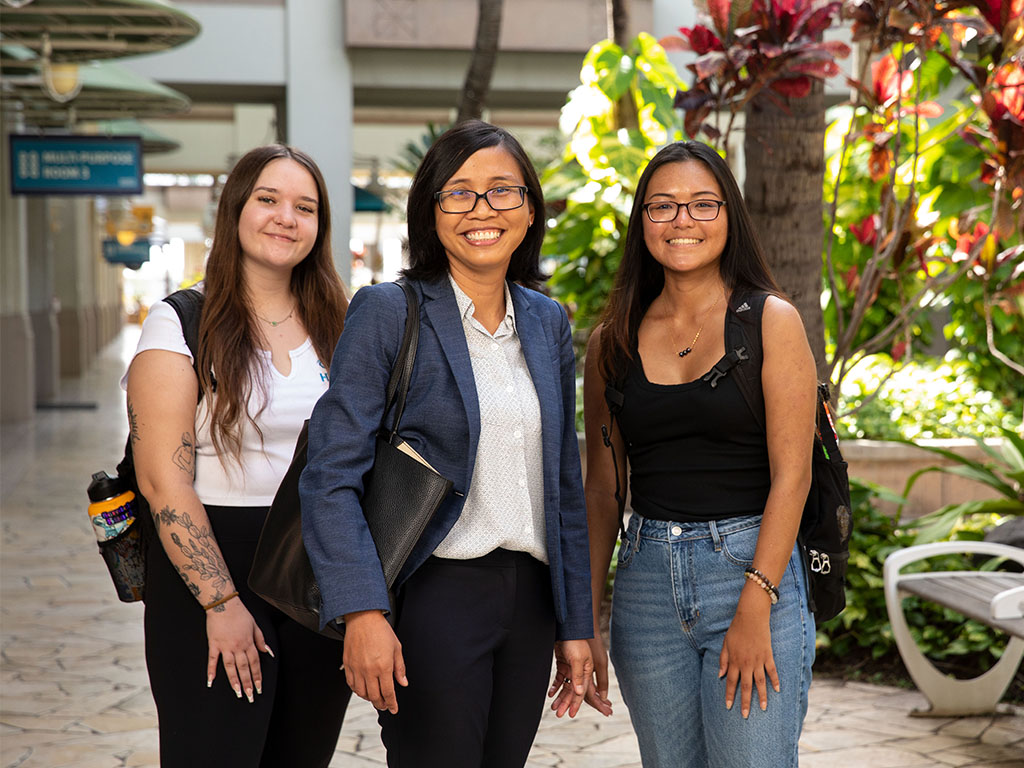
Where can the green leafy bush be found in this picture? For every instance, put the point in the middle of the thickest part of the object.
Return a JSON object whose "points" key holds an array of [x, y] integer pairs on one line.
{"points": [[862, 632], [927, 398]]}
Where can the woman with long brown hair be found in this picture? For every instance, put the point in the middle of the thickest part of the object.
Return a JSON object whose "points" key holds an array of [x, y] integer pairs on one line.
{"points": [[710, 608], [237, 683]]}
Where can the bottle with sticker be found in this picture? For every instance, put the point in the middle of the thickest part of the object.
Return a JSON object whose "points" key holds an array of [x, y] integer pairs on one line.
{"points": [[112, 508]]}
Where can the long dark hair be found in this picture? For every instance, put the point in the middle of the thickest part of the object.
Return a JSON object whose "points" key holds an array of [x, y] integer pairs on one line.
{"points": [[228, 331], [640, 279], [427, 259]]}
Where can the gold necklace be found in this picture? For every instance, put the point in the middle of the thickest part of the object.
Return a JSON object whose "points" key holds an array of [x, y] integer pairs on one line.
{"points": [[274, 324], [689, 349]]}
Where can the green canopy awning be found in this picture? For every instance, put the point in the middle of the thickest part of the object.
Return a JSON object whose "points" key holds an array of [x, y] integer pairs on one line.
{"points": [[109, 91], [83, 30], [367, 202]]}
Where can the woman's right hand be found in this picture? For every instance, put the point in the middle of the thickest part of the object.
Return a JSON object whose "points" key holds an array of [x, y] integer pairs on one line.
{"points": [[372, 659], [597, 693], [233, 635]]}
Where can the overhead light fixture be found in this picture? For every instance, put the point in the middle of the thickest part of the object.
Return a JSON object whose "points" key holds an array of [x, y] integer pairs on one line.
{"points": [[61, 80]]}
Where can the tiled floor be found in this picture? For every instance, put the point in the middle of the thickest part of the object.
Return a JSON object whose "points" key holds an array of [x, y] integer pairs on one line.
{"points": [[74, 690]]}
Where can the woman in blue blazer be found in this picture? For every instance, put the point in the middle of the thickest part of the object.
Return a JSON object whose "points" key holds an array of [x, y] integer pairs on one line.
{"points": [[501, 574]]}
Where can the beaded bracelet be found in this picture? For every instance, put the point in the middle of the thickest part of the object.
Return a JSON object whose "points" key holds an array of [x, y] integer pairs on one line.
{"points": [[764, 583], [222, 600]]}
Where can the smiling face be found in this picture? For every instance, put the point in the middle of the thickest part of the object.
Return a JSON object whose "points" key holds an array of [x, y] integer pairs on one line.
{"points": [[683, 244], [278, 224], [483, 240]]}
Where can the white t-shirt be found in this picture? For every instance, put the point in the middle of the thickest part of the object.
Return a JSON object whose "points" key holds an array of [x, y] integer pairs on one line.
{"points": [[291, 397]]}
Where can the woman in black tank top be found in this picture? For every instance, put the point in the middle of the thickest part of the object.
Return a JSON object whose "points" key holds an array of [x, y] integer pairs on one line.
{"points": [[710, 605]]}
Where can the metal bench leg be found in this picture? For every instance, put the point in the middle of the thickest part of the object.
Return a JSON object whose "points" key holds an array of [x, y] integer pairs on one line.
{"points": [[946, 695]]}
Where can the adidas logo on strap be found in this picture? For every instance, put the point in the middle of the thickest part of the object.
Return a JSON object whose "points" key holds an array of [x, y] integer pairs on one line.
{"points": [[742, 307]]}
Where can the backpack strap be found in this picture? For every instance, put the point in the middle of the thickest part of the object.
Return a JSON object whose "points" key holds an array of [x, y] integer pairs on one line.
{"points": [[744, 345], [614, 397], [188, 304]]}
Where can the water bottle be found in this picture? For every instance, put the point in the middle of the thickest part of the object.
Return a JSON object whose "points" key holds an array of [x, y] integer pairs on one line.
{"points": [[112, 512], [113, 506]]}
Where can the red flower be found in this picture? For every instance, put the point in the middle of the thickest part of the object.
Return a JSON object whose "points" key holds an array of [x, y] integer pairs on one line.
{"points": [[899, 349], [999, 13], [967, 241], [886, 82], [701, 39], [866, 231], [1006, 98]]}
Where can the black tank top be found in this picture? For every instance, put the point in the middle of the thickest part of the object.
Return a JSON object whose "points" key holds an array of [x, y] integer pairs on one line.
{"points": [[695, 452]]}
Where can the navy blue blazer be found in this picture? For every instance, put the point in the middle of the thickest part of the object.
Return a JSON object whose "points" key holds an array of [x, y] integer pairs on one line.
{"points": [[442, 423]]}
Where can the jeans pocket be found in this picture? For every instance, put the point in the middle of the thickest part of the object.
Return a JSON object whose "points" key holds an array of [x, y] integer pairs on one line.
{"points": [[627, 549], [739, 546]]}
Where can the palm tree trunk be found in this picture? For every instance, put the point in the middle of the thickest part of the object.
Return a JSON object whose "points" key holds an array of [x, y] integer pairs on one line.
{"points": [[785, 158], [481, 65]]}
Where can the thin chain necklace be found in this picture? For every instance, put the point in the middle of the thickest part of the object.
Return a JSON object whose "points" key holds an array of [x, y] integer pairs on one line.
{"points": [[274, 324], [689, 349]]}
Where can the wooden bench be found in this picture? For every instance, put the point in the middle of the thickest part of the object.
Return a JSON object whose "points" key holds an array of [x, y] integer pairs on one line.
{"points": [[995, 598]]}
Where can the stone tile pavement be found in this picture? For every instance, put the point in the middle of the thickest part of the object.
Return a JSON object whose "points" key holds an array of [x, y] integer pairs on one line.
{"points": [[73, 687]]}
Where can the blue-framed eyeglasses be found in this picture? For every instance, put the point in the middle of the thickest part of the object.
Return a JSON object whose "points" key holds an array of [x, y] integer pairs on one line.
{"points": [[464, 200]]}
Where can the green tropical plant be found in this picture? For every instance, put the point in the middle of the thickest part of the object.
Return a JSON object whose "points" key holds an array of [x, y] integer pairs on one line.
{"points": [[1003, 472], [862, 634], [927, 398], [591, 186]]}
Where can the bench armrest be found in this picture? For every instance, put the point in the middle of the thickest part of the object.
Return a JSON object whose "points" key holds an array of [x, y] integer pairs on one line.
{"points": [[1008, 604], [901, 558]]}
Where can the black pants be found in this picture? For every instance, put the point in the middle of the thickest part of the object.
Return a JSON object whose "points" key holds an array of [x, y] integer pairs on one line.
{"points": [[294, 723], [477, 638]]}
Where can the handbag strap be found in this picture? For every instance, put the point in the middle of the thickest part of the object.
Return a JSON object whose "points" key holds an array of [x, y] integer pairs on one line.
{"points": [[401, 372]]}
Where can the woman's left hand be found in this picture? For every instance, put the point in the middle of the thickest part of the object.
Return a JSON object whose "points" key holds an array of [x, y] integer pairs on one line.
{"points": [[574, 668], [746, 657]]}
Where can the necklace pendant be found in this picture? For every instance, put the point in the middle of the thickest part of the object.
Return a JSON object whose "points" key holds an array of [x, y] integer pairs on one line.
{"points": [[686, 351]]}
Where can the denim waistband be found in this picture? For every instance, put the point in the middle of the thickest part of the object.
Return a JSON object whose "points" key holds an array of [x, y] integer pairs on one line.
{"points": [[667, 530]]}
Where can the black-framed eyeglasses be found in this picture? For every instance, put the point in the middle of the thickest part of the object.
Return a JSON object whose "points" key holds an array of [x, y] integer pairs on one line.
{"points": [[661, 211], [464, 200]]}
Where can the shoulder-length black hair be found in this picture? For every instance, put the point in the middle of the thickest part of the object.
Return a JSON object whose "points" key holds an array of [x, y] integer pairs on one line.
{"points": [[427, 258], [743, 266]]}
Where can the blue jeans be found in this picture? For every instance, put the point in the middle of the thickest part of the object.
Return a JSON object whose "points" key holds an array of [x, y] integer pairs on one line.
{"points": [[676, 590]]}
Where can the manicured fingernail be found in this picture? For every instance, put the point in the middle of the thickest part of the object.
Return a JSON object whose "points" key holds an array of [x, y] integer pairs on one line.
{"points": [[271, 652], [209, 682], [728, 705], [238, 691], [764, 706], [248, 695], [259, 689], [746, 713]]}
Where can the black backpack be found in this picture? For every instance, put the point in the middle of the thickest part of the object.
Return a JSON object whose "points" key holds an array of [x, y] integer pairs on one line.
{"points": [[827, 521], [188, 303]]}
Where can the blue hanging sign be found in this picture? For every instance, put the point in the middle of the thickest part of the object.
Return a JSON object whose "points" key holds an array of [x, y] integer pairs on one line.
{"points": [[135, 254], [76, 165]]}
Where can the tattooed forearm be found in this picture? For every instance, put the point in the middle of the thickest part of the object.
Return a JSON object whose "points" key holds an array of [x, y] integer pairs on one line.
{"points": [[133, 423], [203, 564], [184, 456]]}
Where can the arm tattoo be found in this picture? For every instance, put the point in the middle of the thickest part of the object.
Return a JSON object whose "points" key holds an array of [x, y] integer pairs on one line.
{"points": [[133, 423], [184, 455], [198, 545]]}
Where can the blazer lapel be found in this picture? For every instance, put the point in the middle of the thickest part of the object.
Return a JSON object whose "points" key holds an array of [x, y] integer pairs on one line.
{"points": [[443, 312], [537, 351]]}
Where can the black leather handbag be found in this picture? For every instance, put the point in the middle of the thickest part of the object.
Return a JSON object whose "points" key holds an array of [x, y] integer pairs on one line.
{"points": [[401, 494]]}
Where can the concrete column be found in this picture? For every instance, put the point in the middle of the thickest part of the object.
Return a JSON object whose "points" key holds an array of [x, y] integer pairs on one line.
{"points": [[17, 353], [76, 318], [318, 79], [41, 293]]}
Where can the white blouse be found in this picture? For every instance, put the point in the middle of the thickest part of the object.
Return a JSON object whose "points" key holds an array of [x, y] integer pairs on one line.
{"points": [[263, 463]]}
